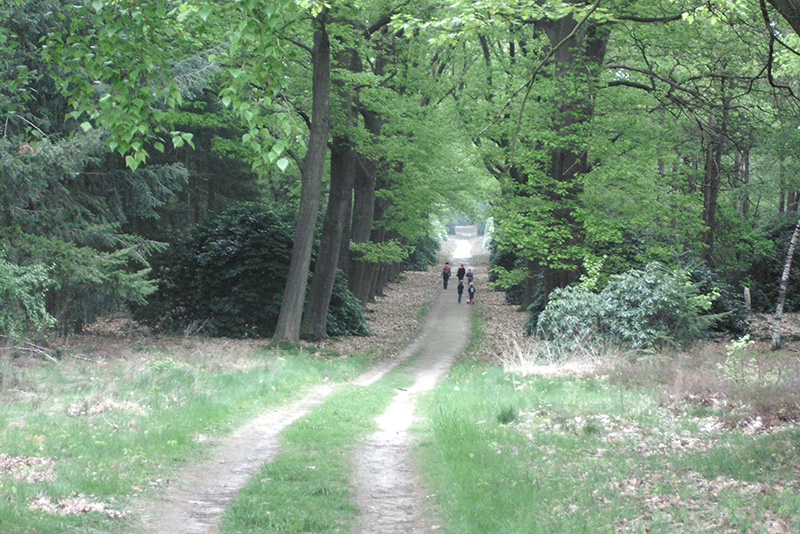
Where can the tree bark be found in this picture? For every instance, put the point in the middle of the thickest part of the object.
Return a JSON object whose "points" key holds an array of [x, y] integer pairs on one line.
{"points": [[364, 212], [712, 179], [337, 216], [790, 11], [315, 319], [744, 178], [581, 52], [776, 325], [288, 327], [377, 235]]}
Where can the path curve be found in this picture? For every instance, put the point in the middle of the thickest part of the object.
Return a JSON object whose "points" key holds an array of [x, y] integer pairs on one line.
{"points": [[196, 498]]}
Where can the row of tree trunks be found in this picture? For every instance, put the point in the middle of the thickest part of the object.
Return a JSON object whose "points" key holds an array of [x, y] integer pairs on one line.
{"points": [[337, 216], [291, 313], [715, 145], [352, 211], [360, 272]]}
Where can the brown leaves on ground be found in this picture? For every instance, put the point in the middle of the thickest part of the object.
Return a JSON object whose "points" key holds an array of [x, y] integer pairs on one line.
{"points": [[689, 498], [38, 470], [393, 317], [30, 469], [77, 505]]}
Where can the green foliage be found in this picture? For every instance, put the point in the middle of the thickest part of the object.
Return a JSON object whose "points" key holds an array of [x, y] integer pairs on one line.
{"points": [[766, 267], [505, 273], [641, 309], [87, 282], [114, 65], [346, 314], [127, 66], [22, 292], [56, 213], [391, 251], [728, 306], [424, 255], [226, 277], [739, 366]]}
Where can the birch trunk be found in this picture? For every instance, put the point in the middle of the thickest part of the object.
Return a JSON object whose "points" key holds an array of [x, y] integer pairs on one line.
{"points": [[776, 325]]}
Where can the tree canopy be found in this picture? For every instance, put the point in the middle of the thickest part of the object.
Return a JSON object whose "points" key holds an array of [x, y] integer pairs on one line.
{"points": [[598, 136]]}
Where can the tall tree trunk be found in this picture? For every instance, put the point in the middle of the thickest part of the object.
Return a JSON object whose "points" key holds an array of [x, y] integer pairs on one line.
{"points": [[713, 178], [792, 199], [315, 318], [364, 211], [288, 327], [776, 325], [337, 216], [582, 51], [377, 235], [744, 178]]}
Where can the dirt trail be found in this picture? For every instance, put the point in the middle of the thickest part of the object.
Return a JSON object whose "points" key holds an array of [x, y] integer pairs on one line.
{"points": [[389, 495]]}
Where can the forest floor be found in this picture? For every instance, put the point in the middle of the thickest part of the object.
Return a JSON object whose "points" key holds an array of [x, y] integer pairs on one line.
{"points": [[388, 492]]}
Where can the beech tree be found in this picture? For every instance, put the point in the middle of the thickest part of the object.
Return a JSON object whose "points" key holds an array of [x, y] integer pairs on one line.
{"points": [[289, 320], [616, 133]]}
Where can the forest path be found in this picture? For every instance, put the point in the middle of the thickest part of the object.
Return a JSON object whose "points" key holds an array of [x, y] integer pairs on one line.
{"points": [[390, 495], [394, 502]]}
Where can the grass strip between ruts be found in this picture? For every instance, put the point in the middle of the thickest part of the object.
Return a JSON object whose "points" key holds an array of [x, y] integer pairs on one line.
{"points": [[308, 487]]}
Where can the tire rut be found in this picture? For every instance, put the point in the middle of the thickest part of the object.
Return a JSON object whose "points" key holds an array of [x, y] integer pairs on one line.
{"points": [[391, 497], [196, 498]]}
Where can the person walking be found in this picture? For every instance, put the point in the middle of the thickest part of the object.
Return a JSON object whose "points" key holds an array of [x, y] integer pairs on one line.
{"points": [[446, 273], [460, 273], [471, 292], [460, 290], [470, 276]]}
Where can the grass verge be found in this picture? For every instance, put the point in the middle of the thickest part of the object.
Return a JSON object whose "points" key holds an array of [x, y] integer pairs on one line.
{"points": [[82, 440], [507, 454]]}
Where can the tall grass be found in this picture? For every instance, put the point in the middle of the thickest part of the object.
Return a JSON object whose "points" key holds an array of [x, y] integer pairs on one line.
{"points": [[581, 455], [114, 429]]}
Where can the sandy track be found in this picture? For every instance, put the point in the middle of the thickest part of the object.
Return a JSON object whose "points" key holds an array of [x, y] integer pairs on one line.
{"points": [[392, 502], [389, 493]]}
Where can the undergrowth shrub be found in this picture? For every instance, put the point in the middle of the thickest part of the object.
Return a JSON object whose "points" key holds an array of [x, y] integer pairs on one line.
{"points": [[641, 309], [227, 276], [424, 255], [728, 305], [22, 299], [504, 263], [701, 380]]}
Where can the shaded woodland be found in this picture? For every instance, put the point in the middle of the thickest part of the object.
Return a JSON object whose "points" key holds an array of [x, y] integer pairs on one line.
{"points": [[263, 169]]}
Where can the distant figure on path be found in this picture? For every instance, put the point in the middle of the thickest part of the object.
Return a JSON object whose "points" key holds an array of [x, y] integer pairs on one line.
{"points": [[461, 272], [471, 292], [460, 290], [469, 276], [446, 273]]}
